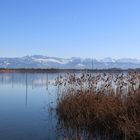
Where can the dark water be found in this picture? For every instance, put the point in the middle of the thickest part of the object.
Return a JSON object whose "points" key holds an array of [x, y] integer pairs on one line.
{"points": [[27, 107]]}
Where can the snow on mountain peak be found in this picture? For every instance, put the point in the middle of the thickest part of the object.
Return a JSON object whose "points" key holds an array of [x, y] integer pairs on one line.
{"points": [[39, 61]]}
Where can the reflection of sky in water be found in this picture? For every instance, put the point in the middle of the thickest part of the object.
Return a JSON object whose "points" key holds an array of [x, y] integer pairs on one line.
{"points": [[26, 102]]}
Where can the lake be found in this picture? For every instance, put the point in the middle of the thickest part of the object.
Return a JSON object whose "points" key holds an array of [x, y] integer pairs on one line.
{"points": [[27, 106]]}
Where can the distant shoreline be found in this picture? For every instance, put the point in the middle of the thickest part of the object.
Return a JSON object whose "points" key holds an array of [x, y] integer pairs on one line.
{"points": [[53, 70]]}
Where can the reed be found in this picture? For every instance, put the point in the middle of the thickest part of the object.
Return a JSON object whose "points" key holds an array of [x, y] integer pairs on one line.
{"points": [[105, 106]]}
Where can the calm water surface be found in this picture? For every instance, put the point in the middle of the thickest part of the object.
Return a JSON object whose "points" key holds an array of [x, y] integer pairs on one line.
{"points": [[27, 106]]}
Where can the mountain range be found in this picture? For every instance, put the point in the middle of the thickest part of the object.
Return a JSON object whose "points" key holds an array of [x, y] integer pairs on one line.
{"points": [[39, 61]]}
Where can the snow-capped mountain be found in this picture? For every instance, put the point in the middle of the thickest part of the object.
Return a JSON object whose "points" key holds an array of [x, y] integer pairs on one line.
{"points": [[39, 61]]}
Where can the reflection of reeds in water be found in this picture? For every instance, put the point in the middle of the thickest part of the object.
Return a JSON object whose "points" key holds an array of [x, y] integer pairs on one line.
{"points": [[103, 106], [26, 81]]}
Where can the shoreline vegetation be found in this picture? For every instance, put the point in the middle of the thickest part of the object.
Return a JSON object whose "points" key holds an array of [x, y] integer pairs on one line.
{"points": [[55, 70], [99, 106]]}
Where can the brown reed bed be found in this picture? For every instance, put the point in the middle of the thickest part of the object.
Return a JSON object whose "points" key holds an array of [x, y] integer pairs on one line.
{"points": [[88, 110]]}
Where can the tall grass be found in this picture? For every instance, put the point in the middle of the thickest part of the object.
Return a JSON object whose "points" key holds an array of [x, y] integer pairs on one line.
{"points": [[101, 106]]}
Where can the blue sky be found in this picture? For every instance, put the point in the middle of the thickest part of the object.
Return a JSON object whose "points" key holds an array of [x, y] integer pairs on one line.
{"points": [[66, 28]]}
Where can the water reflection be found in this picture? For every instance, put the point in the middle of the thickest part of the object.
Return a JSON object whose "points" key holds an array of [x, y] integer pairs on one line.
{"points": [[26, 89], [33, 79], [27, 106]]}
